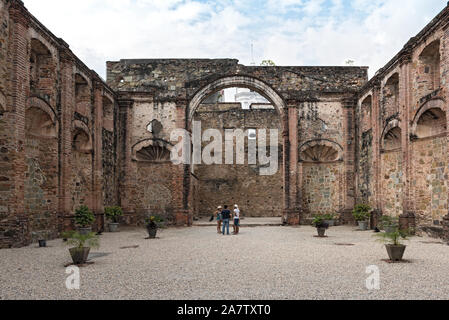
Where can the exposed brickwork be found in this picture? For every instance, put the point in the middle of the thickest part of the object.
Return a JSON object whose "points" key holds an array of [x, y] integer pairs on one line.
{"points": [[67, 138], [238, 184], [403, 134], [47, 167]]}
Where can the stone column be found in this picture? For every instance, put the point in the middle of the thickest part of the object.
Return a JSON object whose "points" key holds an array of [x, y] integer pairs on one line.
{"points": [[294, 205], [181, 176], [376, 124], [349, 106], [66, 111], [97, 171], [126, 173], [286, 164], [405, 98], [18, 226]]}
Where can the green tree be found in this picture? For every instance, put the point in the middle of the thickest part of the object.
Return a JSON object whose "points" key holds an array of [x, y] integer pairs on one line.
{"points": [[267, 63]]}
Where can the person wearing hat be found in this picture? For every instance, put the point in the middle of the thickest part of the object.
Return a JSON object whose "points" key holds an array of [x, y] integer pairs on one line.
{"points": [[225, 217], [236, 219], [219, 220]]}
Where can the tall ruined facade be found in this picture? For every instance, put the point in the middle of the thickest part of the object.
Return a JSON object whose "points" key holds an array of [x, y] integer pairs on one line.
{"points": [[68, 138]]}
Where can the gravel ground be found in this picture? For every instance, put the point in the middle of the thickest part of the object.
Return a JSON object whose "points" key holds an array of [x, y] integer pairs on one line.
{"points": [[261, 263]]}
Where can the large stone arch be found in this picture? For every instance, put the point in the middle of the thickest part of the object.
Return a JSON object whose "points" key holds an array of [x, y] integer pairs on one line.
{"points": [[238, 81], [289, 207]]}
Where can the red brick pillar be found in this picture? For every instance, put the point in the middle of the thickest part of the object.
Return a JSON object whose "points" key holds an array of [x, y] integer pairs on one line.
{"points": [[20, 89], [126, 175], [377, 131], [65, 135], [291, 172], [349, 106], [181, 177], [405, 98], [97, 196]]}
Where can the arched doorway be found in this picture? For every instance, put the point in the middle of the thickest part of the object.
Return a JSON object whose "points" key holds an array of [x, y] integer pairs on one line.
{"points": [[240, 183]]}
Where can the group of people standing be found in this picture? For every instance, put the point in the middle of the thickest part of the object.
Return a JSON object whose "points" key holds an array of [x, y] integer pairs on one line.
{"points": [[224, 216]]}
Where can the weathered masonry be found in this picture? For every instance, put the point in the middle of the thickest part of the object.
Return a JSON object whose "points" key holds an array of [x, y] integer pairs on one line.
{"points": [[69, 138]]}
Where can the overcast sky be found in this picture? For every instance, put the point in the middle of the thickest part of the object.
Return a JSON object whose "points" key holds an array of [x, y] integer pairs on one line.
{"points": [[289, 32]]}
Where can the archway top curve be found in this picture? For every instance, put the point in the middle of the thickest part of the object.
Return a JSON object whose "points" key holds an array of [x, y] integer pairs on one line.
{"points": [[242, 81], [437, 103], [39, 103]]}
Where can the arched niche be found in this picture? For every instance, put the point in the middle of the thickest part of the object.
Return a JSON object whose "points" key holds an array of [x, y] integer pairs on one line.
{"points": [[320, 151], [82, 95], [82, 141], [365, 112], [391, 139], [108, 114], [391, 95], [152, 150], [430, 120], [42, 67], [40, 119], [429, 67]]}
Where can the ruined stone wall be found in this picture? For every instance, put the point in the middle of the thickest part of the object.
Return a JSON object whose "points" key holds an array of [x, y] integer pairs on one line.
{"points": [[392, 185], [403, 154], [322, 120], [109, 160], [257, 196], [322, 190], [41, 186], [47, 168], [153, 194], [4, 45], [429, 179]]}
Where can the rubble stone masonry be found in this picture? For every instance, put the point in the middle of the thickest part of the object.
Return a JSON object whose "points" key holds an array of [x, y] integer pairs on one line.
{"points": [[68, 138]]}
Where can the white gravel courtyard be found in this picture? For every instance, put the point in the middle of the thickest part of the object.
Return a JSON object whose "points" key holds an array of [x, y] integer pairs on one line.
{"points": [[260, 263]]}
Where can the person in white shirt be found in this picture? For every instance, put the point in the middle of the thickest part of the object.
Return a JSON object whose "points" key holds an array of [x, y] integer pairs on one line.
{"points": [[236, 219]]}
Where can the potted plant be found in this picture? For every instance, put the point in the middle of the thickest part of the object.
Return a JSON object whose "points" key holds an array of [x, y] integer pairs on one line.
{"points": [[151, 224], [82, 243], [84, 219], [113, 214], [361, 214], [329, 219], [389, 224], [320, 225], [393, 242]]}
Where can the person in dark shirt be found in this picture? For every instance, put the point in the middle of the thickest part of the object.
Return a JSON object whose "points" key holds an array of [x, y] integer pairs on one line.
{"points": [[225, 217]]}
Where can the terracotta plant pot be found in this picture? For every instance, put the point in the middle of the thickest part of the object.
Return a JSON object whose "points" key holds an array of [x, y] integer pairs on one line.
{"points": [[152, 231], [321, 232], [395, 252], [113, 227], [79, 255], [85, 230]]}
